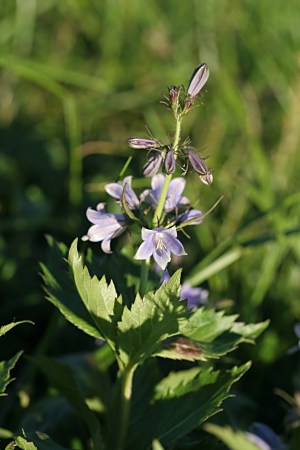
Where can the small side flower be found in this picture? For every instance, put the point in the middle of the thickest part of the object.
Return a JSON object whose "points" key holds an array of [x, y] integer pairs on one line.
{"points": [[195, 296], [174, 199], [160, 243], [106, 226], [115, 190]]}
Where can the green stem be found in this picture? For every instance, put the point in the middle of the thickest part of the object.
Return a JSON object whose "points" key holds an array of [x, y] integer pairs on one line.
{"points": [[124, 397], [160, 206]]}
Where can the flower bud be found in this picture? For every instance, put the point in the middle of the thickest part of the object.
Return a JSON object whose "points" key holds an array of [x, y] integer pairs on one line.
{"points": [[205, 174], [170, 162], [141, 143], [174, 92], [198, 80], [152, 165]]}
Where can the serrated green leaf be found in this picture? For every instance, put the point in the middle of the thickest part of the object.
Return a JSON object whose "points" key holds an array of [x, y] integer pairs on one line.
{"points": [[251, 330], [63, 379], [86, 302], [235, 440], [166, 387], [5, 328], [61, 290], [22, 443], [183, 408], [150, 321], [5, 368], [207, 324], [99, 298]]}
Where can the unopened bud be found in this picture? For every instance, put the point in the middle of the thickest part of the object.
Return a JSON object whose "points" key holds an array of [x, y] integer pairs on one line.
{"points": [[141, 143], [174, 94], [170, 162], [198, 80], [152, 165], [205, 174]]}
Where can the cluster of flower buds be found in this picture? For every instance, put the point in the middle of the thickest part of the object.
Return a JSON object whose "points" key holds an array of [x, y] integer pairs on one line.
{"points": [[165, 155]]}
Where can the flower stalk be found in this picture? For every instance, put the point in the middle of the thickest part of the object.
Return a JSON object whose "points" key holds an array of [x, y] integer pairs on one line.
{"points": [[160, 206], [123, 400]]}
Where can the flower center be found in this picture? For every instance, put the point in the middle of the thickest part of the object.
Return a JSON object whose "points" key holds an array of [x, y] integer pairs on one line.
{"points": [[159, 242]]}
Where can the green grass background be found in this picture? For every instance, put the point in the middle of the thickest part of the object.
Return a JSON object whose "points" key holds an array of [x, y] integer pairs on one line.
{"points": [[80, 76]]}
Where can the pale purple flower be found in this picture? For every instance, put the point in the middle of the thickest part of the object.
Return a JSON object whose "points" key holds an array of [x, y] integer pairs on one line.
{"points": [[191, 217], [160, 243], [174, 198], [195, 296], [152, 165], [264, 437], [107, 226], [115, 190], [198, 80]]}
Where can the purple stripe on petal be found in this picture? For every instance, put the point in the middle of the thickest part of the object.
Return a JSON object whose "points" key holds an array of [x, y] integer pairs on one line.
{"points": [[162, 258], [174, 245]]}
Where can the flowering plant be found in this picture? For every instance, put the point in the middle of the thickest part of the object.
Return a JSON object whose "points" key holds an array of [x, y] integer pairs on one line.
{"points": [[138, 313]]}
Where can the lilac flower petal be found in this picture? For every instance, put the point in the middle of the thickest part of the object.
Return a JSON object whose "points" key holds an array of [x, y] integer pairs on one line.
{"points": [[145, 250], [173, 245], [157, 182], [147, 233], [114, 190], [267, 434], [105, 245], [174, 198], [97, 233], [162, 257], [176, 188], [172, 231], [260, 443], [192, 217], [194, 296], [94, 216]]}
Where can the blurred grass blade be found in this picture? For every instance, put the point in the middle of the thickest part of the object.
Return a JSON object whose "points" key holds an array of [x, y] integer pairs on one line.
{"points": [[200, 275]]}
